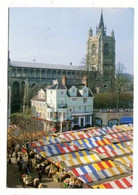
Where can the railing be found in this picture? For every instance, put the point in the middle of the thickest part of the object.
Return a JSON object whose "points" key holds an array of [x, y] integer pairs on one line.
{"points": [[114, 110]]}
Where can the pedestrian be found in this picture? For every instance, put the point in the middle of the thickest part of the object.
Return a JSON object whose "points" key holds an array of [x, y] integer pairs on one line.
{"points": [[16, 156], [20, 166], [9, 161], [40, 175], [21, 157], [11, 153], [8, 152], [30, 164]]}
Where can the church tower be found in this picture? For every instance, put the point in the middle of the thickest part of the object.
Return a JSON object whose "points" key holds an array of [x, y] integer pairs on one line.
{"points": [[101, 54]]}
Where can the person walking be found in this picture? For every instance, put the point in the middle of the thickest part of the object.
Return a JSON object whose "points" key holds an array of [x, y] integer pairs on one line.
{"points": [[40, 175], [21, 157], [16, 156]]}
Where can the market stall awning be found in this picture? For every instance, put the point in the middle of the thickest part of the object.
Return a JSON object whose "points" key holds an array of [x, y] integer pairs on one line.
{"points": [[123, 183], [126, 160], [119, 137], [101, 174]]}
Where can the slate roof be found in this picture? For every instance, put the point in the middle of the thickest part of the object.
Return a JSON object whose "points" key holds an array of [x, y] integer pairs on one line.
{"points": [[59, 85], [47, 66], [38, 99]]}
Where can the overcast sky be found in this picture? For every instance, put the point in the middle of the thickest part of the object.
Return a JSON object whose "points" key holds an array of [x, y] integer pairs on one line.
{"points": [[59, 35]]}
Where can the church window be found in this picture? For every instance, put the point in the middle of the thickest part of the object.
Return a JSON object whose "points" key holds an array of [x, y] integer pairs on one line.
{"points": [[106, 49], [93, 49]]}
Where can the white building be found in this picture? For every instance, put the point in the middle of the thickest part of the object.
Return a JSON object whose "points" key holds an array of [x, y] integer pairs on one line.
{"points": [[64, 107]]}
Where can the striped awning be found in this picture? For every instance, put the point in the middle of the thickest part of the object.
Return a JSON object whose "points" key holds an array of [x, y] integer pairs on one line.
{"points": [[101, 174], [92, 142], [126, 160], [82, 160], [93, 167], [55, 149], [119, 137], [113, 150], [123, 183]]}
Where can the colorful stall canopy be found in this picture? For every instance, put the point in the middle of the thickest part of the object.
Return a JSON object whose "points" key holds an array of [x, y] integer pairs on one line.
{"points": [[123, 183], [112, 153], [92, 142], [82, 160], [101, 174], [119, 137], [54, 149], [126, 160]]}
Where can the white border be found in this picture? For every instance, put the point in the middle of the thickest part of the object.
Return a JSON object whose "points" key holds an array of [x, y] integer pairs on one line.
{"points": [[3, 85]]}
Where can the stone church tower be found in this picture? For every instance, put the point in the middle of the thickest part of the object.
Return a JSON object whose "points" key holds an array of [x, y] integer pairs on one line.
{"points": [[101, 55]]}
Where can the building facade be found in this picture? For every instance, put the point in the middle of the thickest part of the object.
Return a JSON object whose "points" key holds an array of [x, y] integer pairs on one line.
{"points": [[112, 117], [64, 106], [101, 54], [26, 78]]}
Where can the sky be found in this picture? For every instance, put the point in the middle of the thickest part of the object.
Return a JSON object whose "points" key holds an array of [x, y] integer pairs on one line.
{"points": [[59, 35]]}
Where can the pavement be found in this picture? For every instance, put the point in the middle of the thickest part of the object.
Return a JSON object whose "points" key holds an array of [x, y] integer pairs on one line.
{"points": [[12, 169]]}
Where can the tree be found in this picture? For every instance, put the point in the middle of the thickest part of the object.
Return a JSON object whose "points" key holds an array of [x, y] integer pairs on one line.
{"points": [[26, 125], [121, 82]]}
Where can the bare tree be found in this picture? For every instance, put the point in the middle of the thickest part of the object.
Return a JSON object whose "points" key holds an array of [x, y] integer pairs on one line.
{"points": [[120, 81]]}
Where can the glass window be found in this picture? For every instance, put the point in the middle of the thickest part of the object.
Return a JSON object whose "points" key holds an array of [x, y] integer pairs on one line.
{"points": [[87, 119], [76, 121], [84, 100], [51, 114]]}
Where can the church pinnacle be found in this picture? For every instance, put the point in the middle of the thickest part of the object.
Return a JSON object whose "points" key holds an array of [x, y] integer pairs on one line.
{"points": [[101, 29], [101, 24]]}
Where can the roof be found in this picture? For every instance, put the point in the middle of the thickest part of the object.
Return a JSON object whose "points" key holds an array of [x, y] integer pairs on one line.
{"points": [[46, 66], [38, 99], [58, 86]]}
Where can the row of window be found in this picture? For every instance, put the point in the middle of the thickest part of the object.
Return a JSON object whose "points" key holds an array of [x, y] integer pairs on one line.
{"points": [[87, 120], [41, 96], [53, 115], [79, 109], [38, 104], [84, 99]]}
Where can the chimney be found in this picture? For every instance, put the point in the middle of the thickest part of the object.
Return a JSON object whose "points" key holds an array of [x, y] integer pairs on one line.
{"points": [[85, 80], [64, 80]]}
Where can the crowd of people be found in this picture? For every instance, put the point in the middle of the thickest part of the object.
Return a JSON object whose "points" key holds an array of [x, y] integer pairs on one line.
{"points": [[34, 163]]}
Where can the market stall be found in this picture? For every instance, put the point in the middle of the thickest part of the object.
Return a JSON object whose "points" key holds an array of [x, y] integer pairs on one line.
{"points": [[123, 183], [126, 160]]}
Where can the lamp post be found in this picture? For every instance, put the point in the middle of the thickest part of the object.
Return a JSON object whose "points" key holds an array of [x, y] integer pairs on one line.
{"points": [[61, 121]]}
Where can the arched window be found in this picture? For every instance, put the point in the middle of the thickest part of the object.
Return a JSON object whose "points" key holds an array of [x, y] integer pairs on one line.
{"points": [[43, 73], [113, 122], [23, 86], [98, 122], [106, 49], [15, 89], [93, 49]]}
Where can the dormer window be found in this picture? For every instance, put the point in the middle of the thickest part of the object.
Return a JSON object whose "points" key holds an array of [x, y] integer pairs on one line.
{"points": [[73, 90], [85, 91]]}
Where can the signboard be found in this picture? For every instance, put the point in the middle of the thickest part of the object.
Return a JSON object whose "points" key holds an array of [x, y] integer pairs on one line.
{"points": [[126, 120]]}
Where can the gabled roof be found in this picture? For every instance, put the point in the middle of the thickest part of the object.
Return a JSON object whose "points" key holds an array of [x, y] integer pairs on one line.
{"points": [[38, 99], [58, 86], [41, 90]]}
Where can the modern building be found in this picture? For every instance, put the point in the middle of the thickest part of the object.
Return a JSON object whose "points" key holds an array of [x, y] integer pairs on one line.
{"points": [[64, 106], [101, 54]]}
